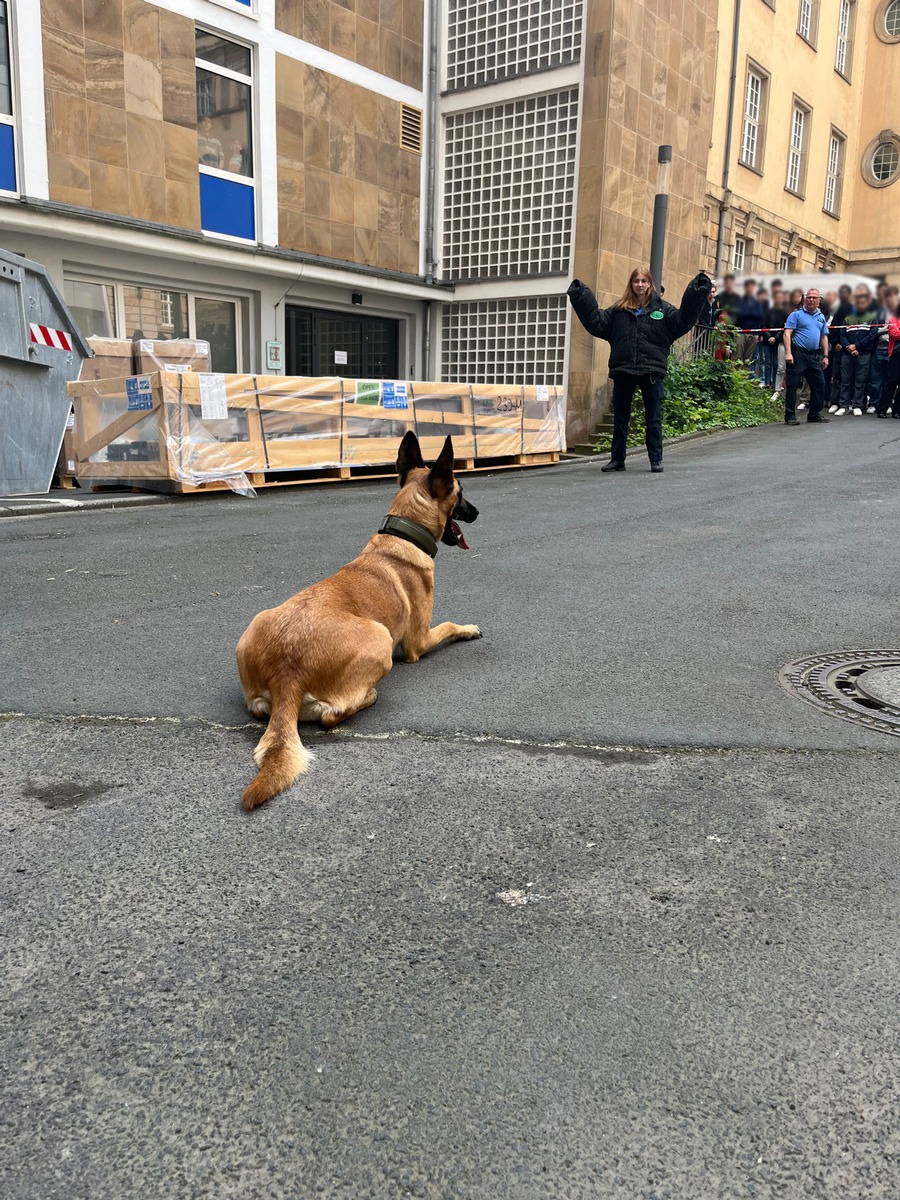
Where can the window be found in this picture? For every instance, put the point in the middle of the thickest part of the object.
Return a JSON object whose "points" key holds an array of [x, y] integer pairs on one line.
{"points": [[843, 57], [509, 187], [755, 99], [785, 262], [884, 162], [808, 21], [739, 254], [7, 130], [225, 136], [834, 173], [131, 311], [890, 20], [881, 159], [797, 150], [520, 340], [504, 39]]}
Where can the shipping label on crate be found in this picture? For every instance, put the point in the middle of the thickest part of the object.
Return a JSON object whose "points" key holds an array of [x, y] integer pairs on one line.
{"points": [[139, 390], [394, 395], [368, 391], [213, 400]]}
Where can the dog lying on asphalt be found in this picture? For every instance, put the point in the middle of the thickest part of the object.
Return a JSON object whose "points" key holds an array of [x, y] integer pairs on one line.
{"points": [[318, 656]]}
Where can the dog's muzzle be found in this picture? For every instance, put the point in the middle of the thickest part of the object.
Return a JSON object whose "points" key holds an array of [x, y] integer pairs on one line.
{"points": [[453, 535]]}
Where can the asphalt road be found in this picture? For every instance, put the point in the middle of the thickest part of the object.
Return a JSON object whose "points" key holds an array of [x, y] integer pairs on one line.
{"points": [[589, 908]]}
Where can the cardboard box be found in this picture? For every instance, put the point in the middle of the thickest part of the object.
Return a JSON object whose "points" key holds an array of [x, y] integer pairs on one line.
{"points": [[178, 354], [112, 359]]}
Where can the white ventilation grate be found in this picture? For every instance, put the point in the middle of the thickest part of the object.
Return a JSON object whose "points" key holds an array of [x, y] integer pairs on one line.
{"points": [[411, 128], [490, 40], [505, 341], [509, 178]]}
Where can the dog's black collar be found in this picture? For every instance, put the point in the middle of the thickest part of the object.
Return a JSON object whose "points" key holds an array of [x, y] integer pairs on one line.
{"points": [[410, 531]]}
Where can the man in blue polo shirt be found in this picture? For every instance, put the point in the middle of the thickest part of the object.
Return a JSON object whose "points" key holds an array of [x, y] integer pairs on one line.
{"points": [[805, 354]]}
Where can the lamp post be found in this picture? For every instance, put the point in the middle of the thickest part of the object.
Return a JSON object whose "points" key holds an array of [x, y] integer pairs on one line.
{"points": [[660, 213]]}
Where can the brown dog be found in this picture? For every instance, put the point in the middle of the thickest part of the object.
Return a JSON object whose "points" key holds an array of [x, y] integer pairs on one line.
{"points": [[318, 656]]}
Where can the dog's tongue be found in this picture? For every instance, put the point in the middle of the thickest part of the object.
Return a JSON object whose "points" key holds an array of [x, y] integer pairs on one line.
{"points": [[458, 534]]}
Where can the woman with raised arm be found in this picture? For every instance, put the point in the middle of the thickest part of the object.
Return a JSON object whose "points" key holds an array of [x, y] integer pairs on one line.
{"points": [[640, 328]]}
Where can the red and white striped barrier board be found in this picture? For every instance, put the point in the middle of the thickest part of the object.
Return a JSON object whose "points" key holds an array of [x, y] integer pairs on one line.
{"points": [[56, 338]]}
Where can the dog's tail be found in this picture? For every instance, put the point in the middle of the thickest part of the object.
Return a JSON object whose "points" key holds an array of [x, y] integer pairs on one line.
{"points": [[280, 755]]}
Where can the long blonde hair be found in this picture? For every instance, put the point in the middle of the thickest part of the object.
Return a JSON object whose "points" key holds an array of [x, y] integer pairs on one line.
{"points": [[627, 299]]}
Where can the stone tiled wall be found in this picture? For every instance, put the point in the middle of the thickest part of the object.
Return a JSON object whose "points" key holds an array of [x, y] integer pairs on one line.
{"points": [[649, 73], [346, 189], [121, 109], [384, 35]]}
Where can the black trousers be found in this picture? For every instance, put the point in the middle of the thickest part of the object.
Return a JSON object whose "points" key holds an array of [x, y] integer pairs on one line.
{"points": [[652, 390], [806, 365], [890, 391]]}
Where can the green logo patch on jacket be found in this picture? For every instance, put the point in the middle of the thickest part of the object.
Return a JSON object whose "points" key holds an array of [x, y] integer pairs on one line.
{"points": [[657, 316]]}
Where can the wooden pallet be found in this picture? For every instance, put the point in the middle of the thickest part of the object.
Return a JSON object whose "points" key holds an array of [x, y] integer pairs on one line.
{"points": [[267, 479]]}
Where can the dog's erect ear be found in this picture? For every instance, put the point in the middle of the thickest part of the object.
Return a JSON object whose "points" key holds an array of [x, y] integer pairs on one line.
{"points": [[440, 478], [409, 456]]}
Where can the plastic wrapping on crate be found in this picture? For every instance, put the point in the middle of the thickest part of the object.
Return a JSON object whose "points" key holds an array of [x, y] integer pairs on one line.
{"points": [[174, 354], [200, 429]]}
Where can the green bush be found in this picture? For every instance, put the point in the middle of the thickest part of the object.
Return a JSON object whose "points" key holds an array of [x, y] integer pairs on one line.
{"points": [[704, 393]]}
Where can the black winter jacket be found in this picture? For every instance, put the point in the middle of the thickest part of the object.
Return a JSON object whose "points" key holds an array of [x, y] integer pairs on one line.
{"points": [[639, 345]]}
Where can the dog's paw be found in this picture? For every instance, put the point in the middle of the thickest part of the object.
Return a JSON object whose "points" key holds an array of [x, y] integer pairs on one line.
{"points": [[470, 632]]}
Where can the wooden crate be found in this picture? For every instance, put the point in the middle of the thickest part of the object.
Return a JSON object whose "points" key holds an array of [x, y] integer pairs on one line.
{"points": [[274, 423]]}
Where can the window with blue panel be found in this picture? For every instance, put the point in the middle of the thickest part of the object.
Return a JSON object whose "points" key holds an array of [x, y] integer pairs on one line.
{"points": [[225, 136], [7, 131]]}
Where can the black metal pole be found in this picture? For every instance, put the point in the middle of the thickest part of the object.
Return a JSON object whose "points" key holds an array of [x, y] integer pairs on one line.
{"points": [[660, 215]]}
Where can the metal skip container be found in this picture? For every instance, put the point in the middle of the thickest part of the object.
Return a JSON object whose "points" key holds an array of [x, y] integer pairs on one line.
{"points": [[41, 350]]}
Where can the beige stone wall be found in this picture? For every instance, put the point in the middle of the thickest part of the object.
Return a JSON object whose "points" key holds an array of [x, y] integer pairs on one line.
{"points": [[346, 189], [121, 109], [384, 35], [648, 81]]}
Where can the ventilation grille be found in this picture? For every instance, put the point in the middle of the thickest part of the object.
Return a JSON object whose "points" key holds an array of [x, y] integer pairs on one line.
{"points": [[518, 341], [411, 128]]}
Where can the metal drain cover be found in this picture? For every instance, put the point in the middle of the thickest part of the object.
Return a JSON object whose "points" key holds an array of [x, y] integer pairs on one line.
{"points": [[855, 685]]}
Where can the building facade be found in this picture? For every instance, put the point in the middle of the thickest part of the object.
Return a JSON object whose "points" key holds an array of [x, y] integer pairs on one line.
{"points": [[815, 138], [404, 188]]}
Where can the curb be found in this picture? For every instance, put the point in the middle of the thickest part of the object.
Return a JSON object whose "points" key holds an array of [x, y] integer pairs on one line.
{"points": [[41, 506]]}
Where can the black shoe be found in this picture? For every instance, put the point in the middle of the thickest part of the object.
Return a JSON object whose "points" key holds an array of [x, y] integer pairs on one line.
{"points": [[656, 468], [817, 420], [791, 421], [612, 465], [883, 415]]}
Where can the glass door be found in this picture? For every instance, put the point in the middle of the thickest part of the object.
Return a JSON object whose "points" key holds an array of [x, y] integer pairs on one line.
{"points": [[218, 322]]}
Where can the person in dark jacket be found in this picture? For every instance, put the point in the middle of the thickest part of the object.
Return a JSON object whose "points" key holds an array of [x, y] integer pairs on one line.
{"points": [[640, 328], [709, 315], [858, 340]]}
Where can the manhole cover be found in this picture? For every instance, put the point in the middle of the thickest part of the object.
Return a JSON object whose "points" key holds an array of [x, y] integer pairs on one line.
{"points": [[856, 685]]}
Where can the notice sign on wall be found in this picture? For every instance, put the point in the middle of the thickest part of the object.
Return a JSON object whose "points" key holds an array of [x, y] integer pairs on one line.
{"points": [[340, 358]]}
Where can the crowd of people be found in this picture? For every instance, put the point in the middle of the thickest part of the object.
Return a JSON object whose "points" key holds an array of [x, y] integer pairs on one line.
{"points": [[860, 372]]}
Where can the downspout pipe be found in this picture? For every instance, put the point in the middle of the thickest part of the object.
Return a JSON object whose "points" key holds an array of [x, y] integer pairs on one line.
{"points": [[431, 137], [729, 133]]}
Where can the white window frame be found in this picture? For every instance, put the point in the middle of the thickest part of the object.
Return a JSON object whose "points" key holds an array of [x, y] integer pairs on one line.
{"points": [[893, 8], [238, 77], [797, 147], [118, 309], [739, 253], [834, 173], [784, 262], [10, 118], [754, 118], [843, 54]]}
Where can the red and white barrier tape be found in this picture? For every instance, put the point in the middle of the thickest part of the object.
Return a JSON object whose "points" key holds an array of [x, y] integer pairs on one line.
{"points": [[56, 338]]}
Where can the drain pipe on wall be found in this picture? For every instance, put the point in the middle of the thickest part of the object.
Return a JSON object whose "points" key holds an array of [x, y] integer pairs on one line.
{"points": [[732, 87], [431, 173]]}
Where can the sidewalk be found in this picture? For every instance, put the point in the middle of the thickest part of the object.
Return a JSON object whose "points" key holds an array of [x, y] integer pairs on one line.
{"points": [[68, 500]]}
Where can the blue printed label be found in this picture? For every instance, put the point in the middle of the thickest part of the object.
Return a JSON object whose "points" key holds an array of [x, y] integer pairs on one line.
{"points": [[139, 393], [394, 395]]}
